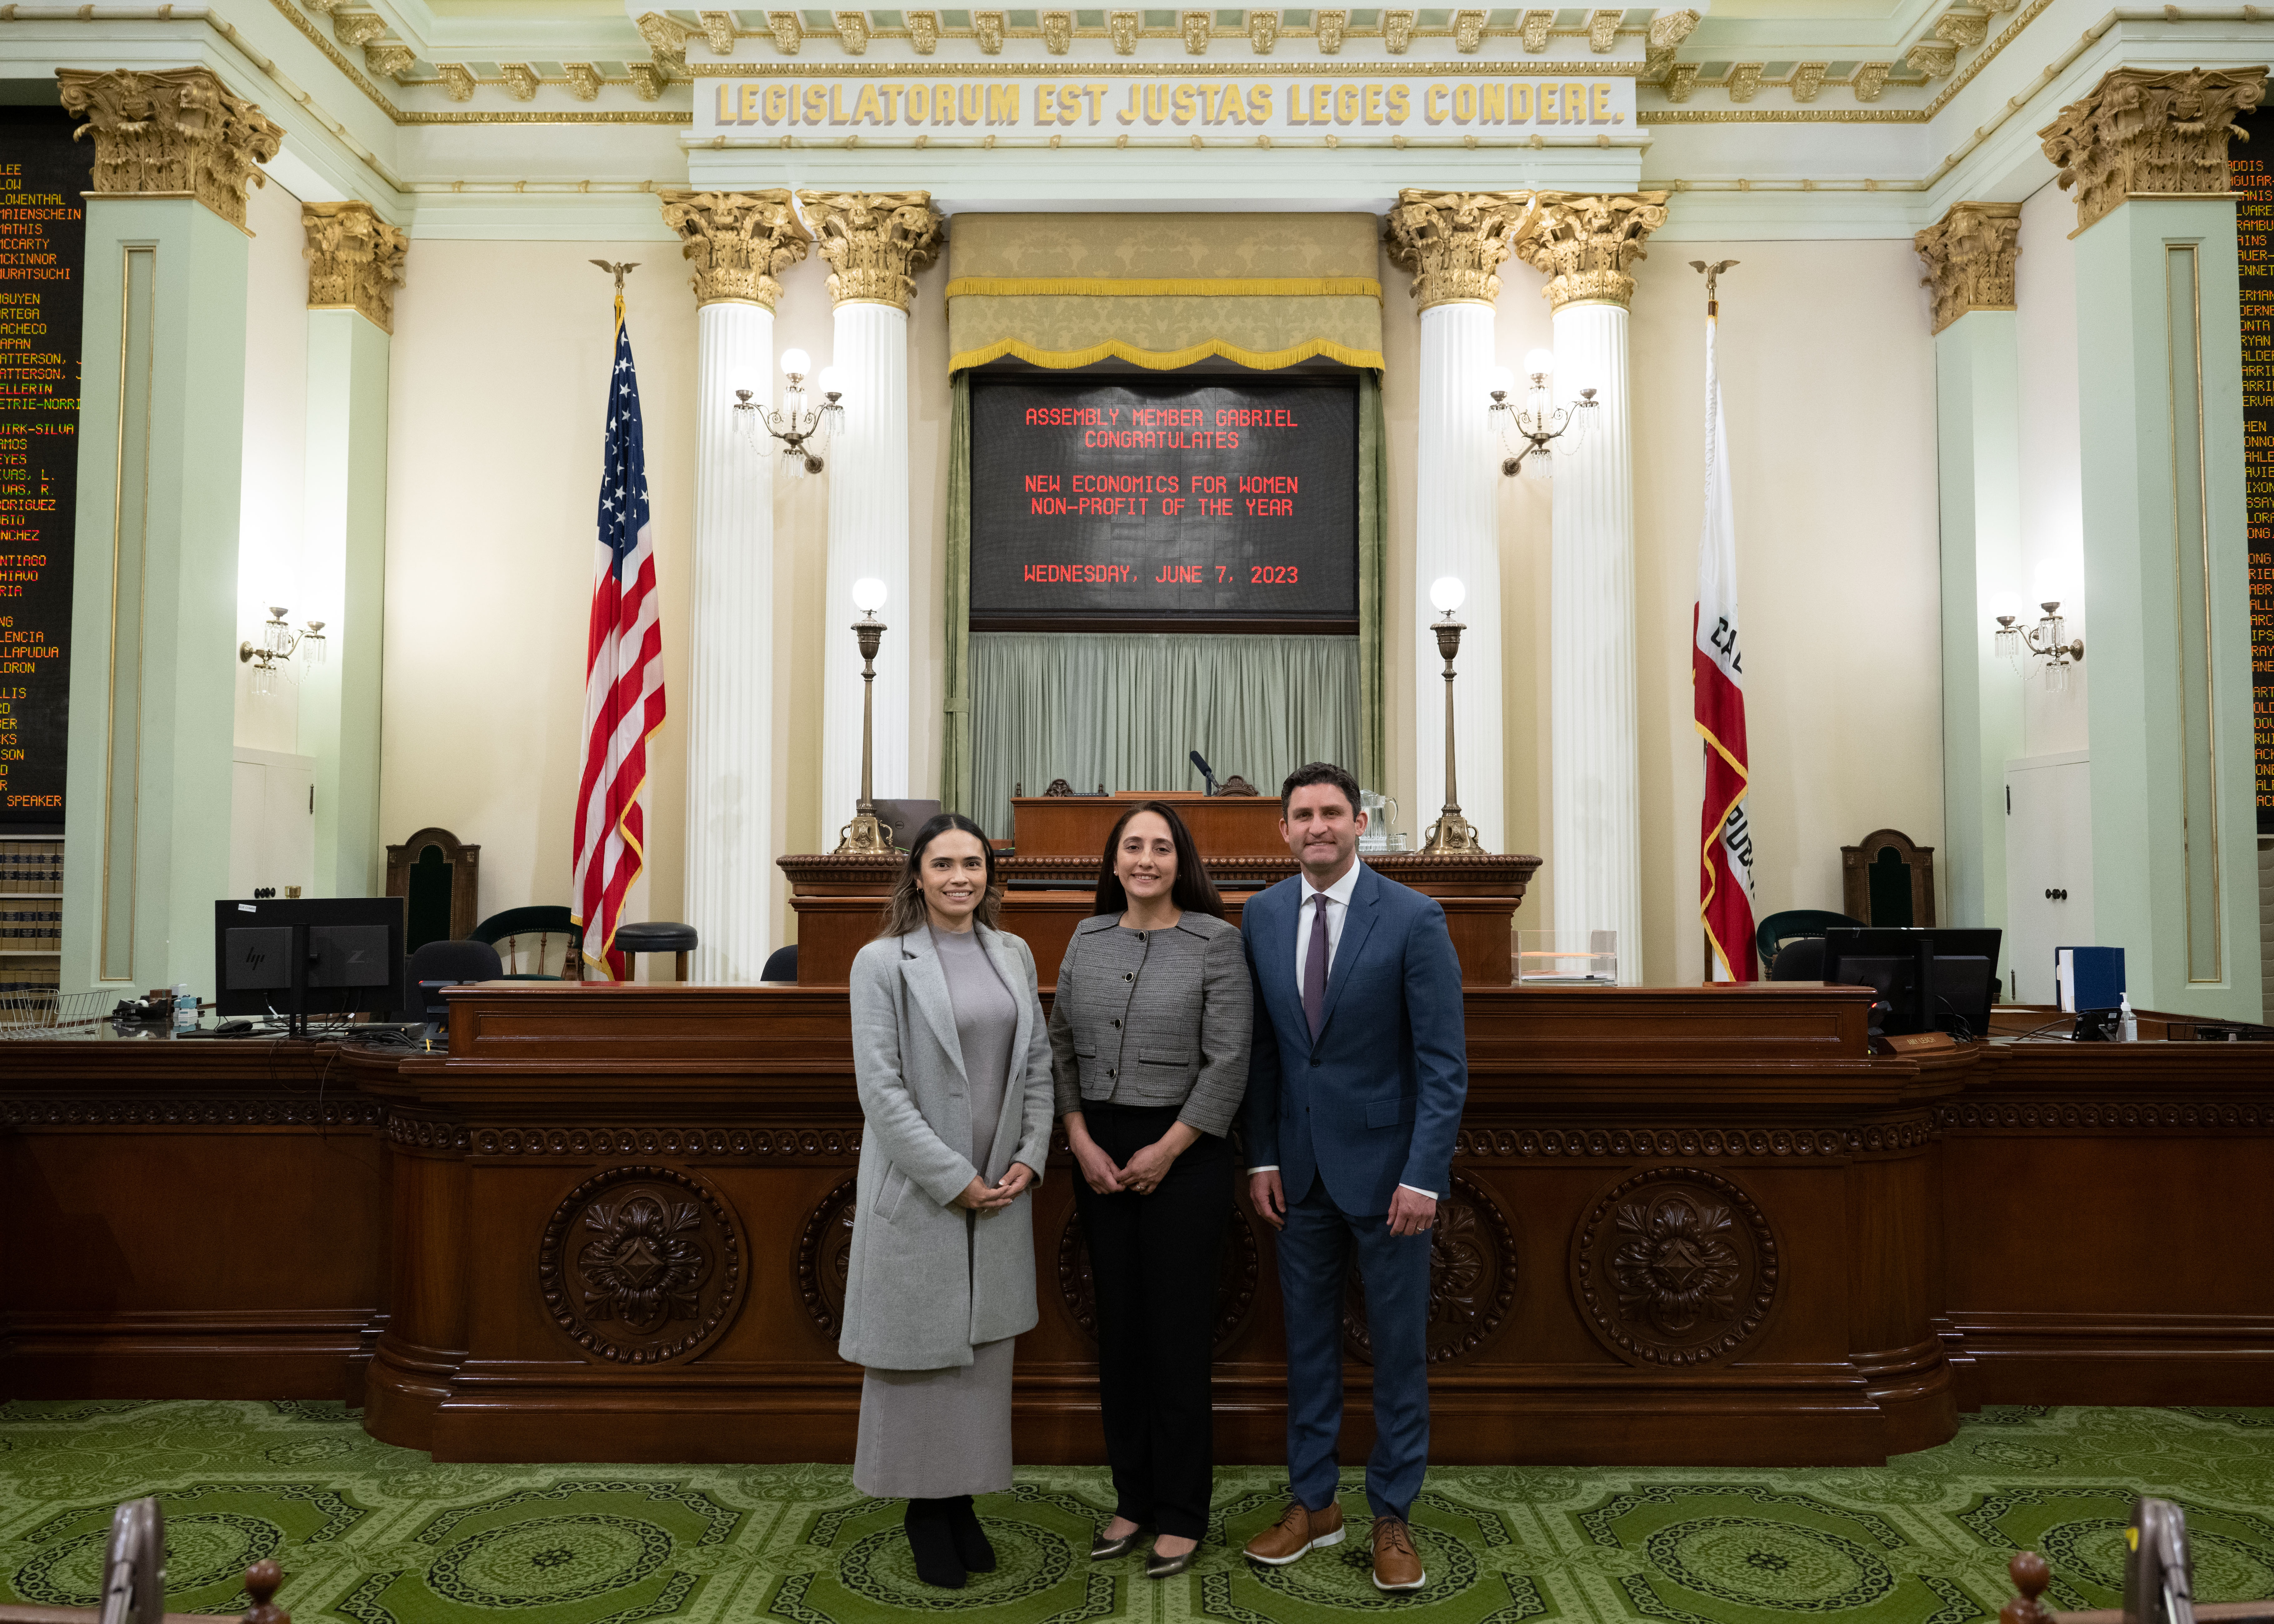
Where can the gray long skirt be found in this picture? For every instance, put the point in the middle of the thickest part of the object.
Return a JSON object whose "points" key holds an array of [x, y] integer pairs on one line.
{"points": [[935, 1434]]}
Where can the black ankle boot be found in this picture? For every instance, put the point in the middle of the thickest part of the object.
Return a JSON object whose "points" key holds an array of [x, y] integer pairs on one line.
{"points": [[971, 1542], [931, 1539]]}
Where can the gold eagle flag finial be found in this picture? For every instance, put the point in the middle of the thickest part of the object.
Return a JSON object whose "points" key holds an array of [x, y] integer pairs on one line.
{"points": [[1712, 275]]}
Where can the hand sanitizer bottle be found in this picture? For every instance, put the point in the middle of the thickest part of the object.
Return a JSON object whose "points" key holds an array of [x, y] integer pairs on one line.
{"points": [[185, 1009], [2129, 1032]]}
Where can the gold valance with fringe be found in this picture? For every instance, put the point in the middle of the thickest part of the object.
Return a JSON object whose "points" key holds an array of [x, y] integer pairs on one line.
{"points": [[1165, 290]]}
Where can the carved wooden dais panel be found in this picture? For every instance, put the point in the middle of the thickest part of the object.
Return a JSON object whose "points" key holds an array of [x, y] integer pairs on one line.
{"points": [[824, 1259], [1676, 1266], [1235, 1281], [1471, 1278], [640, 1265]]}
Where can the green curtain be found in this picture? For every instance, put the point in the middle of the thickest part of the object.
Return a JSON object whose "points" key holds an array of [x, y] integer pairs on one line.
{"points": [[1125, 709], [955, 748]]}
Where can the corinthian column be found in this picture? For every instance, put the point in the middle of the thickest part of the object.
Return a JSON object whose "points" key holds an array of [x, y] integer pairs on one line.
{"points": [[2166, 525], [1454, 243], [1584, 245], [355, 259], [155, 611], [737, 241], [875, 243]]}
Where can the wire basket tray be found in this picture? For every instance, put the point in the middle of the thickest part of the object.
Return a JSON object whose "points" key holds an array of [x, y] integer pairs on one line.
{"points": [[41, 1014]]}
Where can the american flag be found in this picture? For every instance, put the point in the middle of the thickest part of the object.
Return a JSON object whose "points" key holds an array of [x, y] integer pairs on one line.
{"points": [[1717, 675], [623, 674]]}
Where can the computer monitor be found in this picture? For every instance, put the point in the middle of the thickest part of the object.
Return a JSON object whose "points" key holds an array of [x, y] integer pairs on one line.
{"points": [[297, 956], [1931, 979]]}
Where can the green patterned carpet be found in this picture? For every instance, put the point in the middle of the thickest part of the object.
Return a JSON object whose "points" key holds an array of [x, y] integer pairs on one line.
{"points": [[367, 1534]]}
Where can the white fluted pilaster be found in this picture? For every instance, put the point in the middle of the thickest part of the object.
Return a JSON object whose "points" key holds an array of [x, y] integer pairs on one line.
{"points": [[868, 536], [1597, 850], [732, 887], [1454, 536]]}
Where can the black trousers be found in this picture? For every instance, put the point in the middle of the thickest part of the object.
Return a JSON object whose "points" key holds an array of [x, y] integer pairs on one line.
{"points": [[1155, 1260]]}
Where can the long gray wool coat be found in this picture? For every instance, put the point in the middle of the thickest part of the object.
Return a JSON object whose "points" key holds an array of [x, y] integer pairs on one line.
{"points": [[911, 1300]]}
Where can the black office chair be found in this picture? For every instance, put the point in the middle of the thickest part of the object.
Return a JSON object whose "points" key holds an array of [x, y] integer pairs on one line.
{"points": [[781, 964], [1800, 959], [1792, 923], [541, 943], [448, 964]]}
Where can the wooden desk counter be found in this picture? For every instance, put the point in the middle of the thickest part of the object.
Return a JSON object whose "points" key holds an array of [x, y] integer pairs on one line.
{"points": [[1688, 1225]]}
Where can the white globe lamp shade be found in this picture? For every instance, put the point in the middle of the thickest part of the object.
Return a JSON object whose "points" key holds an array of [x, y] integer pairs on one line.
{"points": [[832, 380], [797, 363], [867, 595], [1446, 593], [1539, 362]]}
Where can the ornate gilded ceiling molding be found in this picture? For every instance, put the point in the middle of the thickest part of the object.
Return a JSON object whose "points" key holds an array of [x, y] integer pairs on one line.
{"points": [[737, 241], [1328, 28], [1263, 32], [1124, 26], [1584, 244], [1454, 242], [923, 31], [1469, 32], [666, 40], [1969, 258], [180, 130], [355, 260], [1808, 79], [1058, 32], [2145, 132], [1536, 28], [718, 32], [875, 242], [1397, 32], [1603, 31]]}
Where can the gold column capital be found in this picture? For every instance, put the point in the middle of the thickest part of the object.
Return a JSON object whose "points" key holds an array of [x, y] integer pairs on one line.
{"points": [[176, 132], [355, 259], [1584, 245], [875, 242], [737, 241], [2145, 132], [1454, 242], [1970, 255]]}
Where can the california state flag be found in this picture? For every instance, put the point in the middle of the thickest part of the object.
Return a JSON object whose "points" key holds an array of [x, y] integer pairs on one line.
{"points": [[1717, 676]]}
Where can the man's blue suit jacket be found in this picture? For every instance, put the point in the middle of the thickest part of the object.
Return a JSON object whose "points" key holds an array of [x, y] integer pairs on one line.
{"points": [[1375, 1102]]}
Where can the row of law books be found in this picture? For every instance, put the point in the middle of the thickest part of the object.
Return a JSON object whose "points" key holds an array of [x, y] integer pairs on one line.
{"points": [[32, 866]]}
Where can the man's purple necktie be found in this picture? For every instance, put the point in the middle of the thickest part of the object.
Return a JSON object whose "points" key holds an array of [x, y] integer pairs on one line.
{"points": [[1315, 966]]}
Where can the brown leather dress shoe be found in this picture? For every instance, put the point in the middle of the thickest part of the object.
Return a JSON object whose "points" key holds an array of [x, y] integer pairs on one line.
{"points": [[1396, 1564], [1295, 1532]]}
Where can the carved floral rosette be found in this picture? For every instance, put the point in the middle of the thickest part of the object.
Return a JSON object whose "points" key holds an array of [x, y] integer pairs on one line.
{"points": [[824, 1259], [2145, 132], [875, 242], [355, 260], [737, 241], [1969, 258], [178, 131], [1584, 245], [1235, 1284], [640, 1265], [1471, 1278], [1674, 1266], [1454, 242]]}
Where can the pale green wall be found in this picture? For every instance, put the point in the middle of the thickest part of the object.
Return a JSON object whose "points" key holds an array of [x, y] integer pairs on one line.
{"points": [[344, 565], [189, 633], [1977, 416], [2124, 378]]}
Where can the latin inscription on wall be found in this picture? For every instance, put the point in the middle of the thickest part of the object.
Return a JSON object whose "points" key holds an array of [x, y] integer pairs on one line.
{"points": [[1194, 497], [44, 173]]}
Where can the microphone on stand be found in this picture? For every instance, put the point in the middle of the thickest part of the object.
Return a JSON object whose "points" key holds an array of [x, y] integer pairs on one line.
{"points": [[1207, 777]]}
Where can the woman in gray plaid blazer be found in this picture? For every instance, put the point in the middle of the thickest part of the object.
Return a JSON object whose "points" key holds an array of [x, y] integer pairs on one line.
{"points": [[1148, 1044]]}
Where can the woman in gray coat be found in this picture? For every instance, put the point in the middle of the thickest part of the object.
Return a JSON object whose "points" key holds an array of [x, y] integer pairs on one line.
{"points": [[1150, 1032], [952, 1060]]}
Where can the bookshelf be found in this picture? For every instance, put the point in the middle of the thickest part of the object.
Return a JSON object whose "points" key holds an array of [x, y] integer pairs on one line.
{"points": [[31, 924]]}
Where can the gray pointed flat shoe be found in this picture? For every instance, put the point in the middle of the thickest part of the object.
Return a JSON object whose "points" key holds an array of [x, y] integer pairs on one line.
{"points": [[1104, 1550], [1158, 1566]]}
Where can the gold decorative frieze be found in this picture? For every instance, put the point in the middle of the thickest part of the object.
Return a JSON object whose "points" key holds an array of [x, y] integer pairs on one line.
{"points": [[2145, 132], [520, 80], [737, 242], [1603, 31], [458, 80], [356, 29], [1328, 28], [875, 242], [788, 31], [1197, 27], [1124, 26], [1454, 242], [179, 130], [852, 32], [648, 81], [1397, 32], [583, 79], [718, 32], [1058, 32], [1263, 32], [1536, 28], [1468, 32], [987, 29], [1935, 58], [666, 40], [923, 31], [355, 260], [1808, 80], [1869, 80], [1744, 80], [1585, 244], [388, 59], [1969, 258], [1962, 28], [1680, 80]]}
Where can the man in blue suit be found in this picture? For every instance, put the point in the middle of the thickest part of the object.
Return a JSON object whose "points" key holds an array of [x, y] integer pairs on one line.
{"points": [[1355, 1092]]}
